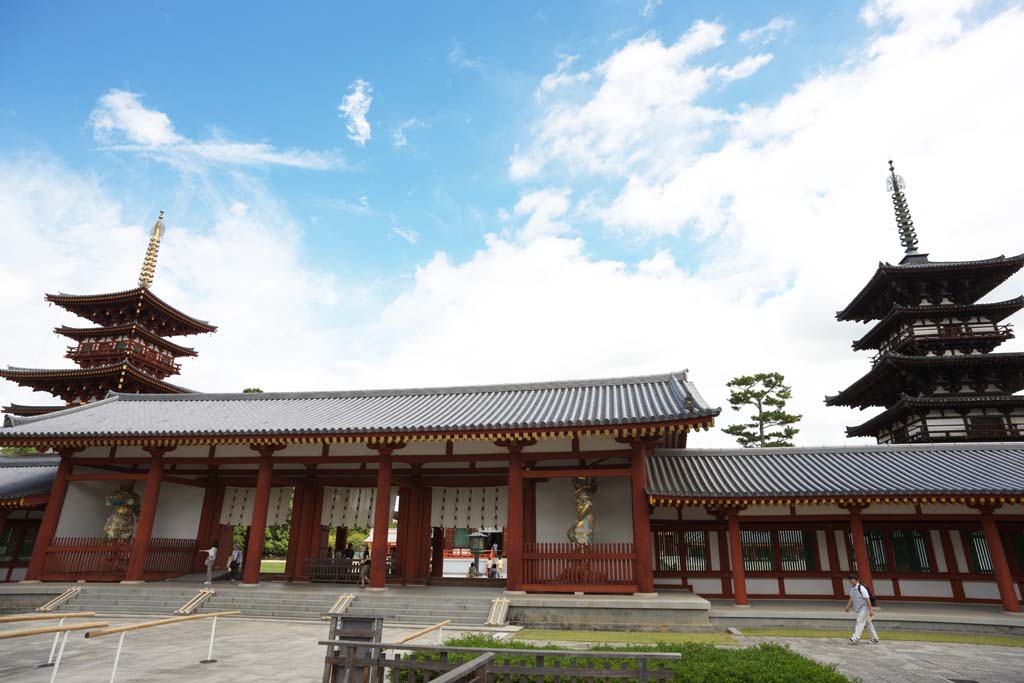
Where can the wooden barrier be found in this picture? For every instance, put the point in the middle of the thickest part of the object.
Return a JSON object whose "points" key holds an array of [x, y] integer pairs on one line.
{"points": [[60, 599], [40, 617], [19, 633], [424, 631], [158, 622]]}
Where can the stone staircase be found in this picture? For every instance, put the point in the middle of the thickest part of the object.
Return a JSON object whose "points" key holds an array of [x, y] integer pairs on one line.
{"points": [[396, 606]]}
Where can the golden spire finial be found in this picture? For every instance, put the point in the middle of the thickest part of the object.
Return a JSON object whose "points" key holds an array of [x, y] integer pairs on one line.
{"points": [[149, 263]]}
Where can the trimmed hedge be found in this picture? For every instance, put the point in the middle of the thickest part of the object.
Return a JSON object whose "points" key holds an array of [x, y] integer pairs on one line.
{"points": [[700, 663]]}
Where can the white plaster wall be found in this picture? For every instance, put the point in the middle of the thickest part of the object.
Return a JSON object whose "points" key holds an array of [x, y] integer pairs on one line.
{"points": [[761, 510], [84, 513], [808, 586], [18, 573], [177, 511], [981, 590], [664, 513], [882, 509], [940, 555], [844, 560], [820, 510], [1014, 509], [948, 509], [822, 541], [883, 587], [696, 513], [958, 551], [556, 510], [706, 585], [763, 586], [925, 588], [713, 552]]}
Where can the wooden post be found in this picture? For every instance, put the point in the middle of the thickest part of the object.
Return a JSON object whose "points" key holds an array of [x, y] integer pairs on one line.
{"points": [[381, 521], [147, 515], [406, 519], [1000, 567], [838, 581], [641, 521], [514, 525], [956, 583], [437, 553], [530, 511], [51, 517], [291, 561], [423, 533], [209, 516], [860, 548], [258, 525], [739, 574]]}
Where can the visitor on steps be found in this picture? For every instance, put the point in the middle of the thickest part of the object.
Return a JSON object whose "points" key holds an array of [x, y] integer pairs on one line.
{"points": [[860, 601], [235, 561], [211, 557], [364, 568]]}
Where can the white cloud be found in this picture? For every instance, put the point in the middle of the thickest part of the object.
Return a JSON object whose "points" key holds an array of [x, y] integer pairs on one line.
{"points": [[120, 122], [561, 76], [649, 7], [410, 236], [398, 138], [763, 35], [354, 108], [458, 58], [745, 68], [547, 210]]}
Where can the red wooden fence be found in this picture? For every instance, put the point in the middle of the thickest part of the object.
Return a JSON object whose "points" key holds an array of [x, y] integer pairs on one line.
{"points": [[70, 558], [567, 567], [170, 556]]}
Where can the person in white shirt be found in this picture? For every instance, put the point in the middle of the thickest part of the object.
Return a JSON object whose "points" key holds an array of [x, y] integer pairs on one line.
{"points": [[860, 601], [235, 561], [211, 558]]}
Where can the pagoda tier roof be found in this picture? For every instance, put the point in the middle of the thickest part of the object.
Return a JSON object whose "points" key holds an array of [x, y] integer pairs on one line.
{"points": [[823, 473], [897, 315], [908, 405], [887, 379], [133, 305], [887, 285], [123, 375], [629, 405], [79, 333], [30, 411]]}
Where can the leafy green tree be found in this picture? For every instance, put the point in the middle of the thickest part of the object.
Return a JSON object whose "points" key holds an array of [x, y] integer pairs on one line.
{"points": [[17, 450], [770, 426], [252, 390]]}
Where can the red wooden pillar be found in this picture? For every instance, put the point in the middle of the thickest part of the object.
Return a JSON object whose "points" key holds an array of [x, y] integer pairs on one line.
{"points": [[641, 522], [739, 574], [838, 584], [424, 532], [437, 553], [530, 511], [406, 519], [51, 517], [514, 524], [294, 532], [381, 521], [209, 516], [1000, 567], [952, 568], [258, 525], [860, 548], [147, 515], [225, 543]]}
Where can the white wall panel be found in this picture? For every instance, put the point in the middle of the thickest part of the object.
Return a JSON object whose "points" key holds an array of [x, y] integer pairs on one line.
{"points": [[470, 507], [177, 511], [556, 510], [351, 507], [808, 586], [924, 588], [981, 590]]}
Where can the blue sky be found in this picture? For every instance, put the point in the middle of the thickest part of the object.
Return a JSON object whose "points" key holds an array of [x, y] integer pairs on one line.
{"points": [[412, 194]]}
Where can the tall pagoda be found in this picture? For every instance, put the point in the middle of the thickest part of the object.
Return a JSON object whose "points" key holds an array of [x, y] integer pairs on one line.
{"points": [[934, 371], [126, 350]]}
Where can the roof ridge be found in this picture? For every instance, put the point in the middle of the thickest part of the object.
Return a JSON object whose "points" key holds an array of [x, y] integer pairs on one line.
{"points": [[15, 421], [850, 448]]}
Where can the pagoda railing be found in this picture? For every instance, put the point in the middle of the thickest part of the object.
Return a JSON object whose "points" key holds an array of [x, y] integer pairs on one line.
{"points": [[969, 331], [568, 567], [113, 352], [931, 433]]}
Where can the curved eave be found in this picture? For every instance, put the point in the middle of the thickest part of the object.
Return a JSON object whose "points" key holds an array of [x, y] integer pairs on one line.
{"points": [[82, 304], [30, 411], [113, 370], [859, 308], [997, 311], [908, 404], [78, 333]]}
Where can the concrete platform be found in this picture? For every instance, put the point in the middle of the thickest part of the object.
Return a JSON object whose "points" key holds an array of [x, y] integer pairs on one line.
{"points": [[682, 612]]}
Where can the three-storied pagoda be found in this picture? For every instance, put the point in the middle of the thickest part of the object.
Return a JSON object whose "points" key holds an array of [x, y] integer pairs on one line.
{"points": [[127, 350], [934, 370]]}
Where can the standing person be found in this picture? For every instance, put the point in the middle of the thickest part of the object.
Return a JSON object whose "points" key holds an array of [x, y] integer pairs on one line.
{"points": [[364, 568], [211, 557], [860, 601], [235, 561], [349, 552]]}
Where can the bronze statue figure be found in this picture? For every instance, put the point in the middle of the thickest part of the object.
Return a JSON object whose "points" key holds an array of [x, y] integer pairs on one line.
{"points": [[126, 503], [582, 530]]}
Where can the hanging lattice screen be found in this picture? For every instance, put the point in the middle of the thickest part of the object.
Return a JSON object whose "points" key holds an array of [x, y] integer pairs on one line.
{"points": [[469, 507], [351, 507], [238, 503]]}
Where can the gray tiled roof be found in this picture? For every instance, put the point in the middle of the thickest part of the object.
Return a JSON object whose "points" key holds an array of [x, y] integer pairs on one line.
{"points": [[29, 475], [835, 471], [576, 404]]}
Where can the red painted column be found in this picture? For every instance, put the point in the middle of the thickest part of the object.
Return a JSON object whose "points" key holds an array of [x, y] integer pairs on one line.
{"points": [[424, 532], [437, 553], [641, 522], [514, 524], [147, 515], [51, 517], [1000, 567], [205, 522], [294, 532], [952, 568], [381, 522], [860, 549], [258, 526], [406, 518], [530, 511], [739, 574]]}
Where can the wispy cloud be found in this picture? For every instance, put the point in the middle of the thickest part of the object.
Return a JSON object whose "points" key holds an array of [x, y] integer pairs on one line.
{"points": [[647, 11], [354, 108], [744, 68], [398, 138], [458, 58], [360, 207], [121, 122], [767, 33], [407, 234], [561, 76]]}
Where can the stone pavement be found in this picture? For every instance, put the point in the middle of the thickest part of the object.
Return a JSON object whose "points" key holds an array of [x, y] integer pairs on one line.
{"points": [[245, 650], [894, 661]]}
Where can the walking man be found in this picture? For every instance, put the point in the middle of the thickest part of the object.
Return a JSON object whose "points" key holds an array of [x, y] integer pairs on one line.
{"points": [[860, 601]]}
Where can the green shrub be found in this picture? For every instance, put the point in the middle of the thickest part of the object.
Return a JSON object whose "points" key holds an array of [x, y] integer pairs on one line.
{"points": [[700, 663]]}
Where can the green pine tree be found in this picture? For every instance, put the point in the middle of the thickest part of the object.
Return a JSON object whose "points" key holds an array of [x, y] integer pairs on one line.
{"points": [[770, 426]]}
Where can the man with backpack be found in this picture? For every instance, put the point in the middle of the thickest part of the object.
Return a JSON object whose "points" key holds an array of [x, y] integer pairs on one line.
{"points": [[863, 603]]}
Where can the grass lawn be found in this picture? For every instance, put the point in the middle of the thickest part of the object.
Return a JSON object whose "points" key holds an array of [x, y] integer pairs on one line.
{"points": [[630, 637], [272, 567], [920, 636]]}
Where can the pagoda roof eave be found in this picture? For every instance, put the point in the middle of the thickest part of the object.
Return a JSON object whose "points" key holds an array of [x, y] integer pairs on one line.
{"points": [[859, 308], [30, 411], [908, 404], [998, 310], [80, 332], [23, 375], [79, 304]]}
